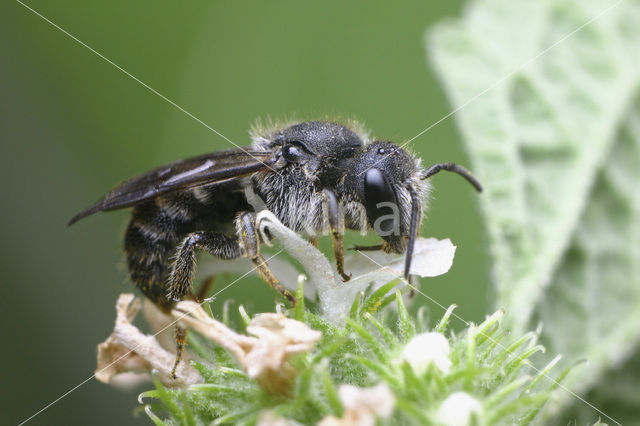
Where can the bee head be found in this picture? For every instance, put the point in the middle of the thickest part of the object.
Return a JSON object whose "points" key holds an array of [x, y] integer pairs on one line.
{"points": [[393, 187], [388, 179]]}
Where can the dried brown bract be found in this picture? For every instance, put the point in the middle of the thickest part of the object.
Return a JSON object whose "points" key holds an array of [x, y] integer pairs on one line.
{"points": [[265, 355], [129, 356]]}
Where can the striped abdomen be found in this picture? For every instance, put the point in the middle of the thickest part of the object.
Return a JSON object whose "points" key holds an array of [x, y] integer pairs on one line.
{"points": [[158, 226]]}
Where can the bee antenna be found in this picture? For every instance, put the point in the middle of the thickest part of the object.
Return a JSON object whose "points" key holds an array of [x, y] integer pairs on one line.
{"points": [[413, 230], [453, 167]]}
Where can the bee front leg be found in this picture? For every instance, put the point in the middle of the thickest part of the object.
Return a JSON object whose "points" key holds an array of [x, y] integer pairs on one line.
{"points": [[336, 225], [249, 241]]}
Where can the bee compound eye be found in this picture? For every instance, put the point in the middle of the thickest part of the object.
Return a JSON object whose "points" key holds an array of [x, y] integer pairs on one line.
{"points": [[380, 200], [376, 187]]}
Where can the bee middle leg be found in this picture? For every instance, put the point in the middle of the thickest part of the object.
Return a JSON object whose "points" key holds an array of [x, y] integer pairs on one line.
{"points": [[368, 248], [249, 241], [336, 226], [181, 276], [181, 342]]}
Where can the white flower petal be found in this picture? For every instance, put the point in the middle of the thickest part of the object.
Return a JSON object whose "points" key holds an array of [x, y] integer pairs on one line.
{"points": [[269, 418], [362, 405], [457, 409], [316, 265], [377, 400], [431, 257], [425, 349]]}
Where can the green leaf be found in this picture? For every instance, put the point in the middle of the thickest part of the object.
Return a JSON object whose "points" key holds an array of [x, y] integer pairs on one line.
{"points": [[620, 396], [377, 348], [594, 302], [548, 95], [376, 300], [539, 112], [405, 324], [154, 418], [170, 401], [389, 339], [444, 322], [332, 394], [298, 309]]}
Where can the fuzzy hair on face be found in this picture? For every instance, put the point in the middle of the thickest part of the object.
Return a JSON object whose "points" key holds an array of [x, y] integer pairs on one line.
{"points": [[294, 192]]}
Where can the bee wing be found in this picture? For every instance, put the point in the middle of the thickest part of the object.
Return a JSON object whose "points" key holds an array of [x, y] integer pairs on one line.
{"points": [[217, 167]]}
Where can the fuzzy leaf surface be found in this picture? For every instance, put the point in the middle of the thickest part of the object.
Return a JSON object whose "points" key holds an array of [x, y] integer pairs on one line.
{"points": [[547, 95], [540, 133]]}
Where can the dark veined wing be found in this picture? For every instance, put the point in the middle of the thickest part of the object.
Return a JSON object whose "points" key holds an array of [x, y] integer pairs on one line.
{"points": [[207, 169]]}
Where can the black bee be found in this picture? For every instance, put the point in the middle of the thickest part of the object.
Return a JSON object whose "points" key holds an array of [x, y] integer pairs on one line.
{"points": [[314, 176]]}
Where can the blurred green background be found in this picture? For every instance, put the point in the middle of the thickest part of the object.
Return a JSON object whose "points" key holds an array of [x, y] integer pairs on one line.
{"points": [[73, 125]]}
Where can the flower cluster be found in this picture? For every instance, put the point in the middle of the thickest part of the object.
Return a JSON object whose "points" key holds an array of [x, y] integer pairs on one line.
{"points": [[355, 364]]}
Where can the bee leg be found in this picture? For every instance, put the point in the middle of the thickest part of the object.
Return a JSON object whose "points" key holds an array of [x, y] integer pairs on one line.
{"points": [[367, 248], [250, 243], [181, 276], [181, 341], [336, 226], [204, 289]]}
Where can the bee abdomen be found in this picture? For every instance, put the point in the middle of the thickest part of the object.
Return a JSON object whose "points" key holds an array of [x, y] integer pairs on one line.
{"points": [[150, 241], [158, 227]]}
